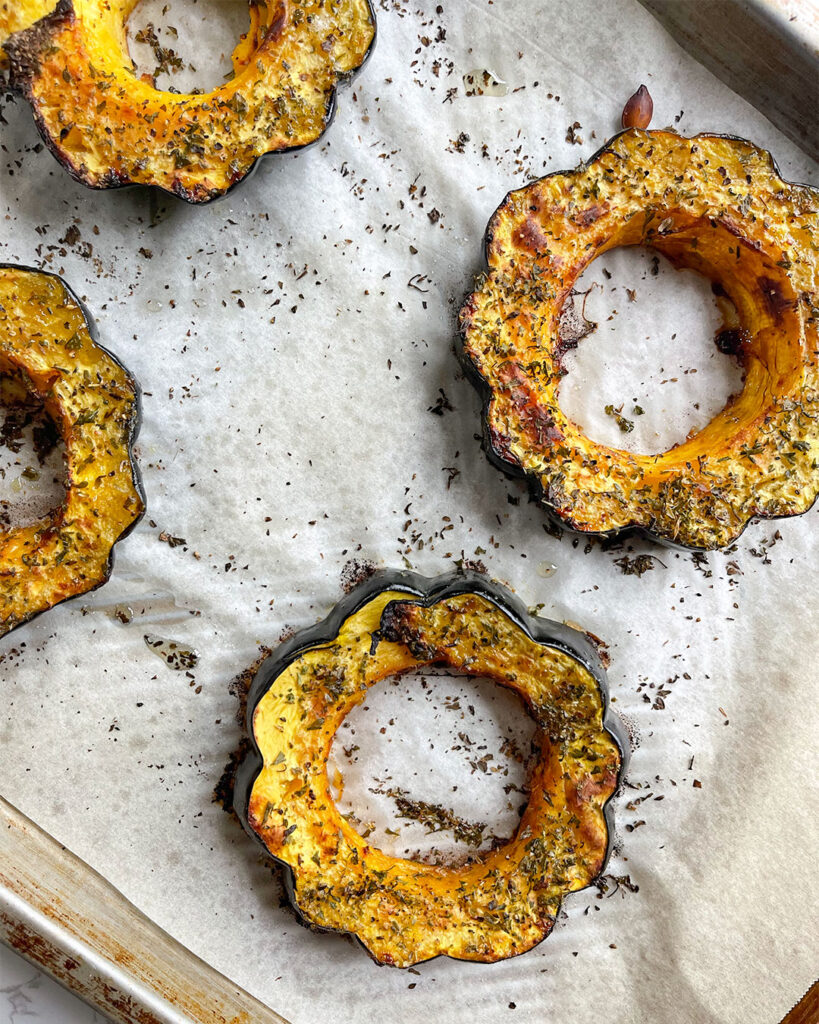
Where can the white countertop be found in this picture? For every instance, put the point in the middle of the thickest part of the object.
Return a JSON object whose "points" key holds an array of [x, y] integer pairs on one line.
{"points": [[26, 994]]}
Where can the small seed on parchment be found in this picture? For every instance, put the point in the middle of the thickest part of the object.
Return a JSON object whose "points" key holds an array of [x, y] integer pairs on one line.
{"points": [[638, 109]]}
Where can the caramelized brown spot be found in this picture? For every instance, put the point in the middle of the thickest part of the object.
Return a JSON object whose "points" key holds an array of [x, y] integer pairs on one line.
{"points": [[776, 302], [398, 626], [501, 444], [528, 236], [736, 230], [589, 788], [586, 217], [536, 419], [542, 425], [732, 340], [277, 25]]}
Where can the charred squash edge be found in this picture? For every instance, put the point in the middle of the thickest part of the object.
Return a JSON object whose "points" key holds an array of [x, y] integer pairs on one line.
{"points": [[65, 8], [485, 390], [429, 591], [5, 34], [134, 426]]}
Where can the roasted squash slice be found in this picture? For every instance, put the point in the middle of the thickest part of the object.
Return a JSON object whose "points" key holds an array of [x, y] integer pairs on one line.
{"points": [[715, 204], [110, 128], [46, 341], [405, 911]]}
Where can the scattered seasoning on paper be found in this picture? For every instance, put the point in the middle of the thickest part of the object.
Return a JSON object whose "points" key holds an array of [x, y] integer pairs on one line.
{"points": [[173, 542], [483, 82], [355, 571], [27, 411], [638, 565], [442, 404], [458, 145], [224, 788], [167, 60], [123, 613], [435, 817], [609, 885], [471, 565], [176, 657], [238, 688], [625, 425]]}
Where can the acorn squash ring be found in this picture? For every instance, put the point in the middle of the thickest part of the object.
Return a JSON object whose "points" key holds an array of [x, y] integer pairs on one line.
{"points": [[404, 911], [716, 204], [110, 129], [48, 342]]}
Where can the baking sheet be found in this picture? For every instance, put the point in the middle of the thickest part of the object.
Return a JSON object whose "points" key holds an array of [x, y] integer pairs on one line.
{"points": [[291, 344]]}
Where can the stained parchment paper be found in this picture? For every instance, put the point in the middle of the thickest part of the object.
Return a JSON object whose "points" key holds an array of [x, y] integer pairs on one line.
{"points": [[292, 342]]}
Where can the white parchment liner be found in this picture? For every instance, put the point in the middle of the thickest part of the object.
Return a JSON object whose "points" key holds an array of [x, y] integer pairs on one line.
{"points": [[288, 370]]}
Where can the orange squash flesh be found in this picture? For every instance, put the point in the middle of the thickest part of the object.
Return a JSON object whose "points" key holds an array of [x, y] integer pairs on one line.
{"points": [[712, 203]]}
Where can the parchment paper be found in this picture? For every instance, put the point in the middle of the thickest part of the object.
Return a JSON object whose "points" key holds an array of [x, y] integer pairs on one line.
{"points": [[289, 369]]}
